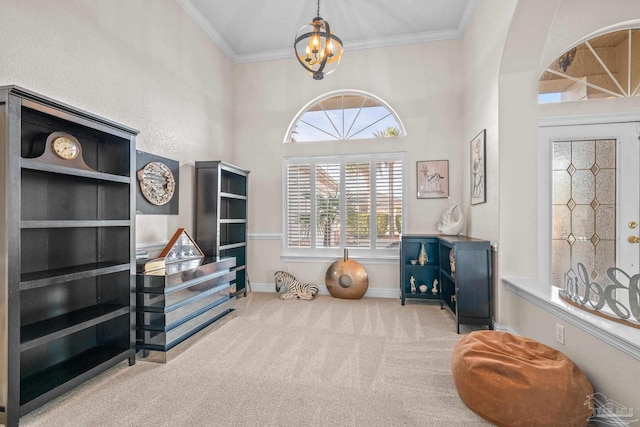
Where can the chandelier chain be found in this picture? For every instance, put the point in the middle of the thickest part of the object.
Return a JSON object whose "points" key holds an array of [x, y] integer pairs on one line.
{"points": [[318, 11]]}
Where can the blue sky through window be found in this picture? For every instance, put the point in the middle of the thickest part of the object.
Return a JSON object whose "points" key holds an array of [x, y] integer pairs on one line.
{"points": [[545, 98], [327, 120]]}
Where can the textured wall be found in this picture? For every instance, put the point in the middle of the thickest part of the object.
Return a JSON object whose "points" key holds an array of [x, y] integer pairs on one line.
{"points": [[421, 82], [142, 63]]}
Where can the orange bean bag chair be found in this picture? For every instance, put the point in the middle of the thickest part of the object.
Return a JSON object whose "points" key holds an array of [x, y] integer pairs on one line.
{"points": [[515, 381]]}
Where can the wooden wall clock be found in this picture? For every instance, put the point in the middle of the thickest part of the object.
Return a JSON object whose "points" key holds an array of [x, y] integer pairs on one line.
{"points": [[64, 149]]}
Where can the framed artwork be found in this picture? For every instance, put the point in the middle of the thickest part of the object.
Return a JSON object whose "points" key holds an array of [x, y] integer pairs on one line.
{"points": [[478, 169], [433, 179], [158, 184]]}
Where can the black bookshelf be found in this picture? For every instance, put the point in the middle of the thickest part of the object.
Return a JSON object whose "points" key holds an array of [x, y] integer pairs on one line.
{"points": [[221, 215], [68, 229]]}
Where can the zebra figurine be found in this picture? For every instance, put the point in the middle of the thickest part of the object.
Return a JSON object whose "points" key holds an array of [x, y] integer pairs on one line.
{"points": [[295, 289]]}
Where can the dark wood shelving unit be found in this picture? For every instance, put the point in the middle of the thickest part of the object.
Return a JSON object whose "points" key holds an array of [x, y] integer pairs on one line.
{"points": [[221, 215], [67, 253], [51, 329], [49, 383], [423, 274], [51, 277], [29, 164], [466, 292]]}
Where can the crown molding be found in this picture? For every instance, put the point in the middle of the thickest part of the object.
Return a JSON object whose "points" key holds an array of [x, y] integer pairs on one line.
{"points": [[208, 28], [359, 45], [466, 17], [428, 36]]}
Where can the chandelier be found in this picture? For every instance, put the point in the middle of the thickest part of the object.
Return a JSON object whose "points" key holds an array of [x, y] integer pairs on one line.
{"points": [[317, 49], [565, 60]]}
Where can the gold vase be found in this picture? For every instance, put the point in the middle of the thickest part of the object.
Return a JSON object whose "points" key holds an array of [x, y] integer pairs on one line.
{"points": [[422, 256]]}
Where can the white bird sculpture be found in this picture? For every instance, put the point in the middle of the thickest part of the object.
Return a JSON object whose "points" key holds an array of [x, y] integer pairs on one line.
{"points": [[449, 225]]}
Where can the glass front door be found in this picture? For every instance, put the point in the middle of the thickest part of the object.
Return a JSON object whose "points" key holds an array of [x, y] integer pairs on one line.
{"points": [[595, 203]]}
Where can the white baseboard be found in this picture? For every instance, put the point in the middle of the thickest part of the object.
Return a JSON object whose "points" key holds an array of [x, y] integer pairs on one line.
{"points": [[371, 293], [502, 328]]}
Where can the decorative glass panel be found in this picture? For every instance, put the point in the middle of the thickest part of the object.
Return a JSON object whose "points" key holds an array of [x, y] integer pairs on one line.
{"points": [[561, 187], [561, 155], [583, 154], [584, 207], [606, 186], [562, 222], [583, 222], [605, 222], [561, 260], [606, 153]]}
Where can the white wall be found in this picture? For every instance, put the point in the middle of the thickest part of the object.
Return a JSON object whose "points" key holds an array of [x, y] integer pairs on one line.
{"points": [[421, 82], [144, 64], [539, 32], [483, 46]]}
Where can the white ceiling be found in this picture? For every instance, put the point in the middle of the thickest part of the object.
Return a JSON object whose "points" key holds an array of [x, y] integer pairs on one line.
{"points": [[255, 30]]}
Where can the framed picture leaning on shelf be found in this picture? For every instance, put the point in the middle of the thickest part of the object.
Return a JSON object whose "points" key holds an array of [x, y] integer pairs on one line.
{"points": [[433, 179], [478, 169]]}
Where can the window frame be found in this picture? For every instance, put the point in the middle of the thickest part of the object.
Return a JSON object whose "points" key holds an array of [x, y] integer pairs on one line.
{"points": [[333, 94], [632, 59], [320, 254]]}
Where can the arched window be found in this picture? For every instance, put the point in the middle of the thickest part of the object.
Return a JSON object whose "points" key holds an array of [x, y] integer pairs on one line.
{"points": [[344, 115], [353, 201], [606, 66]]}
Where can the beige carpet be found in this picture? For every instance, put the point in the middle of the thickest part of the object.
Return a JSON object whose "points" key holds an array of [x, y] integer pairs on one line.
{"points": [[326, 362]]}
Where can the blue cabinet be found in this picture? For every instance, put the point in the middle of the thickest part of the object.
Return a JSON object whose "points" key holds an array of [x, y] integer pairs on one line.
{"points": [[457, 273], [419, 281]]}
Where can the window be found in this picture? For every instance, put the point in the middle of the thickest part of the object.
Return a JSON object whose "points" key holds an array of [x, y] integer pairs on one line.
{"points": [[592, 172], [353, 202], [583, 209], [344, 115], [602, 67]]}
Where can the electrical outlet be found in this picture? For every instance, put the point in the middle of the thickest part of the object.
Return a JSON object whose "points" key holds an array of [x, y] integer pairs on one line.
{"points": [[560, 333]]}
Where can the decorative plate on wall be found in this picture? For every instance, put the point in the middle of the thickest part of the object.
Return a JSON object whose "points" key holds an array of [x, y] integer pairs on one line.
{"points": [[158, 180]]}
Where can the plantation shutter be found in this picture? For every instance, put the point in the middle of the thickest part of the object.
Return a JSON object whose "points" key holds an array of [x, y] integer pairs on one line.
{"points": [[352, 201], [328, 205], [358, 204], [388, 201], [298, 205]]}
